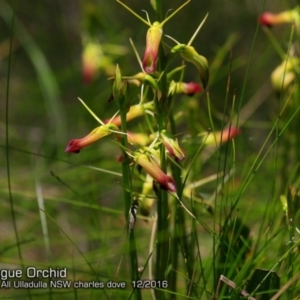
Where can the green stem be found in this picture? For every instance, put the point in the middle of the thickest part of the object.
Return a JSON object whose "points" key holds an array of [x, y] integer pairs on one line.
{"points": [[162, 225], [161, 105], [179, 237], [127, 198], [158, 10]]}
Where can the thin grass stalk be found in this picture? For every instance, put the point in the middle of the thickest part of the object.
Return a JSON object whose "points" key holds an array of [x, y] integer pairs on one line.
{"points": [[290, 144], [256, 164], [291, 258], [241, 102], [279, 261], [41, 206], [73, 275], [287, 138], [194, 236], [296, 100], [74, 245], [162, 238], [249, 64], [172, 278], [38, 166], [223, 227], [214, 253]]}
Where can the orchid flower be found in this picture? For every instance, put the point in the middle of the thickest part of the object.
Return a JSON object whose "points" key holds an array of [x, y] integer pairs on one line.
{"points": [[76, 145], [151, 165]]}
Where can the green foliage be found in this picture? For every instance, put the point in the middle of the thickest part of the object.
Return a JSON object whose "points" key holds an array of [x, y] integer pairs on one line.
{"points": [[206, 195]]}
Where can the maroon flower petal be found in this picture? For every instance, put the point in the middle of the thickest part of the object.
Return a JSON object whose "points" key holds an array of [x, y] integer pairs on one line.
{"points": [[73, 146]]}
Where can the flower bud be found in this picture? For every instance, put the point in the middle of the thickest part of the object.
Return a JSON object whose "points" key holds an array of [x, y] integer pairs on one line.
{"points": [[222, 137], [117, 86], [153, 39], [93, 60], [284, 74], [189, 53], [120, 89], [172, 146], [90, 61], [190, 88], [269, 19]]}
